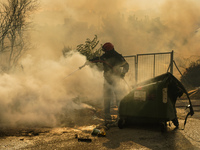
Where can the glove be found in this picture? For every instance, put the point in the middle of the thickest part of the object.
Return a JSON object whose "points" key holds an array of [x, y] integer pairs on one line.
{"points": [[87, 63], [122, 75]]}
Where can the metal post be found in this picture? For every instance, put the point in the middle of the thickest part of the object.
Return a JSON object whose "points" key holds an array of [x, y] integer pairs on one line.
{"points": [[136, 69], [171, 62], [154, 65]]}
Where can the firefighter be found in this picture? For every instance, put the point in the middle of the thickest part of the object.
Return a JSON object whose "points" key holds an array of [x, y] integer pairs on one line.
{"points": [[115, 67]]}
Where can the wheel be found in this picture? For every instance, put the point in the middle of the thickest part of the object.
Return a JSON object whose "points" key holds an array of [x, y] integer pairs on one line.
{"points": [[163, 126], [121, 123], [175, 122]]}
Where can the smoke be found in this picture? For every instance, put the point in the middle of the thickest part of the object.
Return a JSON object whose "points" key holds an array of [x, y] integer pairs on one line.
{"points": [[132, 26], [42, 93], [182, 21]]}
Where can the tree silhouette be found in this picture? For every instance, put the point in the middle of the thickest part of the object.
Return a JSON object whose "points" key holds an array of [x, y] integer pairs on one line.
{"points": [[191, 76], [14, 22]]}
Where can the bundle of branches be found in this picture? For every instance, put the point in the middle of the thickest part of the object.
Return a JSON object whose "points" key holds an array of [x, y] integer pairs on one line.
{"points": [[88, 49]]}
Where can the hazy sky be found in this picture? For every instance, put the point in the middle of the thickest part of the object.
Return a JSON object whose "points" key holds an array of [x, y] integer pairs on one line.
{"points": [[54, 12], [176, 27]]}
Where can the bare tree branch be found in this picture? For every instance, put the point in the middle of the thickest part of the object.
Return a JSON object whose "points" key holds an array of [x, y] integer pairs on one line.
{"points": [[13, 23]]}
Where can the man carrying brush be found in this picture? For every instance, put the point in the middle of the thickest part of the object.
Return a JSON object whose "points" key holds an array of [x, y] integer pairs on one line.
{"points": [[115, 67]]}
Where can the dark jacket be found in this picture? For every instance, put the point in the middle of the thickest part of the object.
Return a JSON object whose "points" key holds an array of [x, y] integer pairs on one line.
{"points": [[114, 64]]}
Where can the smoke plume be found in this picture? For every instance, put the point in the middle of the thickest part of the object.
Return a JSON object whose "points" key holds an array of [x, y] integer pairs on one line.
{"points": [[133, 27], [41, 91]]}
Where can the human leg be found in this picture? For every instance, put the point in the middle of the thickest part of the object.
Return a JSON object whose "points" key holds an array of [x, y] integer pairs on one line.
{"points": [[107, 99]]}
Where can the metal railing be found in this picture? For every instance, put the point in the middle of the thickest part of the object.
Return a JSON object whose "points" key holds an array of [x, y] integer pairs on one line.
{"points": [[146, 66]]}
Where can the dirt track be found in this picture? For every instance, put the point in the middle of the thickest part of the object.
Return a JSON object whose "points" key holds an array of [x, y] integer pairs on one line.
{"points": [[134, 137]]}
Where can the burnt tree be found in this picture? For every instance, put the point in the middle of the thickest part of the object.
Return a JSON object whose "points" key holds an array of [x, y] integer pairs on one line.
{"points": [[13, 24]]}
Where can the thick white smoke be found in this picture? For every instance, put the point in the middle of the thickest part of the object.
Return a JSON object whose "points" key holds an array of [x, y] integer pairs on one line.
{"points": [[42, 92]]}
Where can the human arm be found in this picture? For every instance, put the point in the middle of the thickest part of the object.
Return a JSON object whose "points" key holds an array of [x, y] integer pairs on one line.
{"points": [[125, 68], [97, 59]]}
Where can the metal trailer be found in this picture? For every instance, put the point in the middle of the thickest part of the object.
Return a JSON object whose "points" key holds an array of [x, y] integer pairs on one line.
{"points": [[153, 101]]}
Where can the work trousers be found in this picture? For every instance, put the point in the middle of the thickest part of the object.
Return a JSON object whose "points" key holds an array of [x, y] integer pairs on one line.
{"points": [[111, 91]]}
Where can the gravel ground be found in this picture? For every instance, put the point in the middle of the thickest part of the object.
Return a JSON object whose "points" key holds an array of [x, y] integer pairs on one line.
{"points": [[132, 137]]}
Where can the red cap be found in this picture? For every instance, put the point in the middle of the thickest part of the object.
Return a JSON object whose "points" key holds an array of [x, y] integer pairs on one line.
{"points": [[107, 46]]}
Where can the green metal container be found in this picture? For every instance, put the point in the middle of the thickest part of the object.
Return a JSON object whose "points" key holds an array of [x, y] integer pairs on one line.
{"points": [[152, 101]]}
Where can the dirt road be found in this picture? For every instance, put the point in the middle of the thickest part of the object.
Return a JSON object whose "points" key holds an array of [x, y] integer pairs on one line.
{"points": [[133, 137]]}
